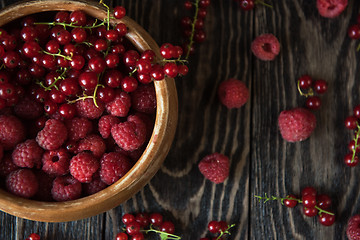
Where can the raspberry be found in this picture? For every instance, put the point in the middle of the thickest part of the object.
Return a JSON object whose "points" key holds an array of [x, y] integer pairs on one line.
{"points": [[129, 135], [265, 47], [121, 104], [95, 185], [93, 143], [149, 123], [106, 122], [296, 124], [56, 162], [12, 131], [331, 8], [53, 135], [27, 154], [28, 109], [7, 165], [86, 108], [353, 228], [143, 99], [78, 128], [233, 93], [83, 166], [65, 188], [133, 155], [114, 165], [215, 167], [22, 182]]}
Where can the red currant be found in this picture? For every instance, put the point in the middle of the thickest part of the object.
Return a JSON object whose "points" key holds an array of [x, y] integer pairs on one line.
{"points": [[67, 111], [290, 203], [138, 236], [156, 219], [351, 146], [320, 86], [132, 228], [121, 29], [106, 94], [50, 107], [308, 191], [119, 12], [167, 227], [309, 201], [326, 219], [34, 236], [78, 18], [167, 50], [313, 102], [310, 212], [157, 72], [351, 122], [88, 80], [214, 227], [323, 201], [357, 111], [143, 219], [127, 218], [121, 236], [348, 159], [129, 84], [171, 69], [305, 82], [354, 31], [247, 5]]}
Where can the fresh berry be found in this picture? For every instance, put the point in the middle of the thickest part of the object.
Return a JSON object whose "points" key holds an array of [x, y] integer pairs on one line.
{"points": [[129, 135], [308, 191], [33, 236], [27, 154], [320, 86], [313, 102], [233, 93], [96, 185], [128, 218], [87, 108], [326, 219], [113, 166], [106, 122], [167, 227], [120, 106], [353, 228], [215, 167], [92, 143], [213, 227], [265, 47], [56, 162], [7, 165], [351, 122], [27, 108], [78, 128], [66, 188], [22, 182], [133, 228], [290, 201], [296, 124], [156, 219], [12, 131], [323, 201], [331, 8], [143, 99], [83, 166], [53, 135], [310, 212], [309, 201]]}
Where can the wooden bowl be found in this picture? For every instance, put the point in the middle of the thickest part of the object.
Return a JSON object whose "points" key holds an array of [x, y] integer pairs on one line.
{"points": [[151, 159]]}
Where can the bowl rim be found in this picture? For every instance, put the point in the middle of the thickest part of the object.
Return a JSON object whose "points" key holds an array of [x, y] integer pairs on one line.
{"points": [[151, 159]]}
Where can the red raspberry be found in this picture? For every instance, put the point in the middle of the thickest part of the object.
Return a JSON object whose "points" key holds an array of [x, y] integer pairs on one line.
{"points": [[83, 166], [296, 124], [7, 165], [53, 135], [133, 155], [129, 135], [28, 108], [22, 182], [233, 93], [215, 167], [65, 188], [12, 131], [114, 165], [27, 154], [265, 47], [143, 99], [78, 128], [86, 108], [93, 143], [106, 122], [120, 106], [56, 162], [353, 228], [45, 184], [96, 185], [149, 122], [331, 8]]}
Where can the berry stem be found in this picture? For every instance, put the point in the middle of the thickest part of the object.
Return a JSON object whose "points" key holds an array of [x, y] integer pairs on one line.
{"points": [[225, 232], [274, 198], [308, 94], [108, 13], [182, 61], [163, 235], [356, 140], [358, 47], [263, 3], [70, 24], [191, 40], [58, 55], [48, 88]]}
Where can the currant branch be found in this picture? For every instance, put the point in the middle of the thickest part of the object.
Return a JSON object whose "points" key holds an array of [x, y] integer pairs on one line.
{"points": [[356, 140], [274, 198], [308, 94], [191, 40], [48, 88], [69, 58], [263, 3], [163, 235], [225, 232]]}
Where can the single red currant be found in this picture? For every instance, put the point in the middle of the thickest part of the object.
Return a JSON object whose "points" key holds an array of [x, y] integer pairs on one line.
{"points": [[326, 219], [348, 159], [323, 201], [351, 122], [313, 102], [214, 227], [132, 228], [308, 191], [357, 111], [119, 12], [167, 50], [320, 86], [167, 227], [156, 219], [121, 236], [310, 212], [290, 201], [129, 84], [127, 218], [305, 82], [351, 146], [309, 201], [67, 111], [354, 31], [246, 5]]}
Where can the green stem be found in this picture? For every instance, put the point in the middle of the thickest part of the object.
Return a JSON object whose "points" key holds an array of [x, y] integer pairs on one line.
{"points": [[263, 3], [191, 40], [58, 55], [308, 94], [62, 76], [356, 145], [225, 232], [163, 235], [274, 198], [182, 61]]}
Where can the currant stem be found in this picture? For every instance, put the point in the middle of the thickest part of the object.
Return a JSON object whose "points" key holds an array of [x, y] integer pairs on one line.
{"points": [[358, 47], [182, 61], [274, 198], [356, 140], [308, 94], [163, 235], [62, 76], [191, 40], [225, 232], [58, 55], [263, 3], [108, 13]]}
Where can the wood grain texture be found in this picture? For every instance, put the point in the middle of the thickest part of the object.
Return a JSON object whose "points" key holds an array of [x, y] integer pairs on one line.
{"points": [[261, 161]]}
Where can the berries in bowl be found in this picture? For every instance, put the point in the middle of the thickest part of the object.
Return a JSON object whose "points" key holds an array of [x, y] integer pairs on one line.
{"points": [[84, 122]]}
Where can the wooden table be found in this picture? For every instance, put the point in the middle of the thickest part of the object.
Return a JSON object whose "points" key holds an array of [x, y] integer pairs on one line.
{"points": [[261, 161]]}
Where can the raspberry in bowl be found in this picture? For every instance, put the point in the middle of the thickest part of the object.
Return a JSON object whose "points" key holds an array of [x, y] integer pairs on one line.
{"points": [[82, 127]]}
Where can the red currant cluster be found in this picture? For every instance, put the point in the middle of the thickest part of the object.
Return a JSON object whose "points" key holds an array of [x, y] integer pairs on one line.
{"points": [[193, 27], [174, 65], [248, 5], [218, 228], [354, 31], [313, 204], [33, 236], [352, 123], [306, 83], [141, 224]]}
